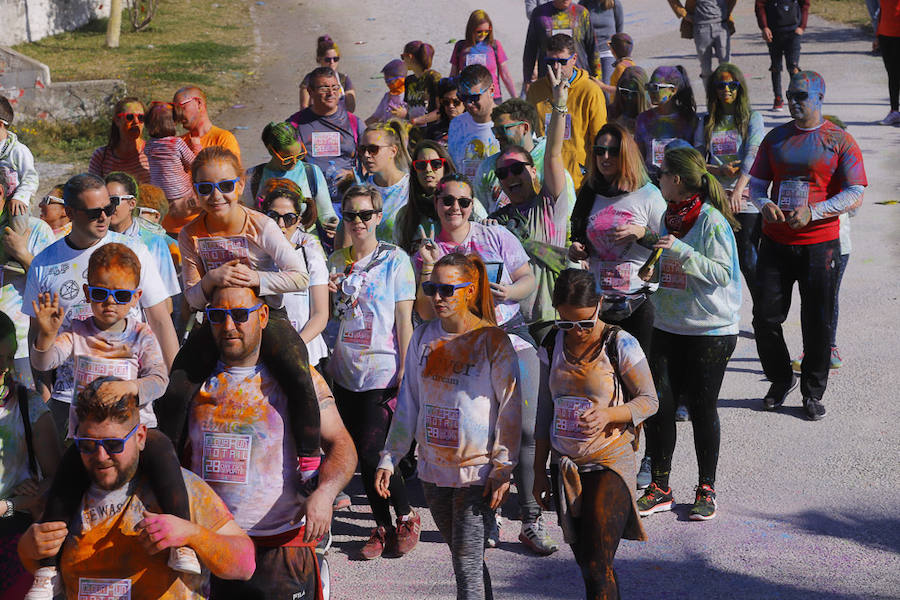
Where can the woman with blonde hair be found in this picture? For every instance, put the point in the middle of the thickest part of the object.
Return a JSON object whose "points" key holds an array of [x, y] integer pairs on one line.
{"points": [[383, 150], [481, 48]]}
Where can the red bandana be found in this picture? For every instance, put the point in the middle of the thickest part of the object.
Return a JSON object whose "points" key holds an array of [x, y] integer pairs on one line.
{"points": [[681, 217]]}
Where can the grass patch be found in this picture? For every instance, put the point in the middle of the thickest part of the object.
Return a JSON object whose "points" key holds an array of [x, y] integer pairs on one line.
{"points": [[204, 42], [849, 12]]}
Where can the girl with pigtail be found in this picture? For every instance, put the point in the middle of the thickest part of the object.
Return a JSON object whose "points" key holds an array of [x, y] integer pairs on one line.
{"points": [[460, 400], [384, 151]]}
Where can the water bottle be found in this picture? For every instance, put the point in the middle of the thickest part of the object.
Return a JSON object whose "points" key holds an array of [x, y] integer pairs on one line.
{"points": [[332, 174]]}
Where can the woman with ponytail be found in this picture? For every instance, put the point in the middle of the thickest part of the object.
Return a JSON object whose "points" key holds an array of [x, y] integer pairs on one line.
{"points": [[384, 152], [329, 55], [421, 85], [460, 401], [696, 324]]}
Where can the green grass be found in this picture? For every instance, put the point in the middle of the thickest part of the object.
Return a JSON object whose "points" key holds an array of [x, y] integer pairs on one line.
{"points": [[203, 42], [849, 12]]}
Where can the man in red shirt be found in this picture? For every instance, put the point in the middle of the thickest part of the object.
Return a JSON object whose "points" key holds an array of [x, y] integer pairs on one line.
{"points": [[816, 173]]}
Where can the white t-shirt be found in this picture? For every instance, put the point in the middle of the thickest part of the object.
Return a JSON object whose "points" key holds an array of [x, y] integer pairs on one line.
{"points": [[297, 304], [366, 354], [469, 143], [616, 264]]}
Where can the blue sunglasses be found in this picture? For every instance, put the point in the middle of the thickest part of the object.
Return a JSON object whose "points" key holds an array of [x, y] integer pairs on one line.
{"points": [[87, 445], [97, 293], [238, 315]]}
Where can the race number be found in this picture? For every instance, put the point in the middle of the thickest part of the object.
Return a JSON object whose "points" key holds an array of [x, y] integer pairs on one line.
{"points": [[792, 194], [672, 276], [326, 143], [566, 412], [441, 426], [216, 251], [226, 457], [104, 589]]}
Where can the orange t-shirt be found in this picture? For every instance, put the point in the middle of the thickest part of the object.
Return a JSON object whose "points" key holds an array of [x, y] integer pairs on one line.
{"points": [[103, 558]]}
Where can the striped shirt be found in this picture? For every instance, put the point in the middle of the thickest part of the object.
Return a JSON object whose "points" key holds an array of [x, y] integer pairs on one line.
{"points": [[104, 161], [170, 163]]}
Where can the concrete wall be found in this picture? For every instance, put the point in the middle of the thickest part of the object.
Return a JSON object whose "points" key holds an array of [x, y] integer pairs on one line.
{"points": [[31, 20]]}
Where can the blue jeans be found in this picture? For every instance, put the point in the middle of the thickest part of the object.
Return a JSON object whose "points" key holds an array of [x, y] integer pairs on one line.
{"points": [[711, 39]]}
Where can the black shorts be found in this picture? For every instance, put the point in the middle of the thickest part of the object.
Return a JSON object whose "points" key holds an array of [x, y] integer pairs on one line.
{"points": [[282, 573]]}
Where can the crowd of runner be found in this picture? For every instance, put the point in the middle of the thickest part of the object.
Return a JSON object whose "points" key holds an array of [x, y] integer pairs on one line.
{"points": [[475, 292]]}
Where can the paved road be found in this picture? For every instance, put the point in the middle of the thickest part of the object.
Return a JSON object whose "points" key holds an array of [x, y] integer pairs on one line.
{"points": [[807, 510]]}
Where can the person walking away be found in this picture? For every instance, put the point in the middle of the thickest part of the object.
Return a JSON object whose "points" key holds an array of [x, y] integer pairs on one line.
{"points": [[782, 23], [170, 161], [710, 24], [889, 46]]}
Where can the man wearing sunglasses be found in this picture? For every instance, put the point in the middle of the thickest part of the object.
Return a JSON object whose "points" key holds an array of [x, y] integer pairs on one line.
{"points": [[816, 173], [190, 109], [470, 138], [241, 408], [115, 546], [62, 269], [586, 105]]}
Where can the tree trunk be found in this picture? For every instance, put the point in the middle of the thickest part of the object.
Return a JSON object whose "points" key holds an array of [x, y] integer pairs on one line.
{"points": [[114, 26]]}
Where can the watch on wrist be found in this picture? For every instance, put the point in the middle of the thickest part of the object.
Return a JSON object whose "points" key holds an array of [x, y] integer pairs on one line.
{"points": [[10, 509]]}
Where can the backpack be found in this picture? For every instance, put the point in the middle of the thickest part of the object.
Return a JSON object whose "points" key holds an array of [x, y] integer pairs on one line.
{"points": [[29, 437], [783, 16]]}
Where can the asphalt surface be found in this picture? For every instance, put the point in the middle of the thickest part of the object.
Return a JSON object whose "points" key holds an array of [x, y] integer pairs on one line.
{"points": [[806, 510]]}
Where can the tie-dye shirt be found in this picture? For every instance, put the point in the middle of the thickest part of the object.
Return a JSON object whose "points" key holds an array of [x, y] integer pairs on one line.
{"points": [[366, 354], [546, 21], [807, 167], [158, 245], [700, 280], [103, 556], [653, 132], [469, 143], [394, 197], [461, 402]]}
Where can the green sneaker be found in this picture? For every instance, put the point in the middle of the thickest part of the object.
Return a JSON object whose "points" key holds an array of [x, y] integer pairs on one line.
{"points": [[836, 362], [704, 507], [655, 500]]}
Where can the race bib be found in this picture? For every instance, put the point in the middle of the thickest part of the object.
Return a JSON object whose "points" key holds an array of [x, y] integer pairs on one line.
{"points": [[658, 147], [671, 274], [104, 589], [476, 59], [566, 411], [441, 426], [793, 194], [724, 143], [326, 143], [226, 457], [568, 32], [216, 251], [615, 276], [470, 167], [358, 331], [89, 368], [79, 312], [568, 130]]}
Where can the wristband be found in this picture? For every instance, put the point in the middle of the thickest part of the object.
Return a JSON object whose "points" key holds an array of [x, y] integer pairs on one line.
{"points": [[10, 509], [560, 109]]}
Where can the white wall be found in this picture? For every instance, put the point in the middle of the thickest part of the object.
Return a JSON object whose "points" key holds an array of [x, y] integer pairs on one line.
{"points": [[31, 20]]}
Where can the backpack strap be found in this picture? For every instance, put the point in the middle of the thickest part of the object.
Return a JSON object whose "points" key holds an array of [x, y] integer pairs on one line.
{"points": [[255, 178], [26, 420], [549, 344], [354, 126], [311, 180]]}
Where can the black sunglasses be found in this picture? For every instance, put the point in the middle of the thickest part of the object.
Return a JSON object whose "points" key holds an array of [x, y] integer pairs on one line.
{"points": [[288, 218], [205, 188], [449, 201], [445, 290], [470, 98], [422, 164], [613, 151], [797, 96], [728, 85], [94, 213], [514, 168], [451, 101], [238, 315], [97, 293], [364, 215], [112, 445], [372, 149]]}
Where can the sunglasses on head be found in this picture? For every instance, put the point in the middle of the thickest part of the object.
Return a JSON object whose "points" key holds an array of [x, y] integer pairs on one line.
{"points": [[97, 293], [143, 210], [48, 199], [797, 96], [449, 201], [94, 213], [287, 218], [444, 290], [87, 445], [451, 102], [613, 151], [626, 91], [550, 61], [205, 188], [372, 149], [131, 117], [364, 215], [515, 168], [585, 325], [728, 85], [434, 163], [658, 87], [238, 315]]}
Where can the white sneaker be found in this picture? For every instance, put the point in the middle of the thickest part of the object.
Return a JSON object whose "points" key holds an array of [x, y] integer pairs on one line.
{"points": [[492, 538], [184, 559], [892, 118], [47, 584], [535, 537]]}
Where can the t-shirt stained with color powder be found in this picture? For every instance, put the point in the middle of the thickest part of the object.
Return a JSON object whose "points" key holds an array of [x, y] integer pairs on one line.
{"points": [[469, 143]]}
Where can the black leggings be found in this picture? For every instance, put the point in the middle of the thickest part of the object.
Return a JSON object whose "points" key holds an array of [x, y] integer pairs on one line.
{"points": [[890, 54], [605, 509], [747, 239], [639, 324], [282, 351], [368, 418], [690, 367], [158, 463]]}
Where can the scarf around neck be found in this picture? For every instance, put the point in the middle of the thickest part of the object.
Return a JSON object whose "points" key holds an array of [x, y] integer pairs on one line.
{"points": [[681, 217]]}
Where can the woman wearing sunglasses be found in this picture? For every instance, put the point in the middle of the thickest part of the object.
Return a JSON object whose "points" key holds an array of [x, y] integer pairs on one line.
{"points": [[731, 134], [460, 402], [53, 212], [599, 390], [287, 153], [449, 107], [124, 150], [373, 288], [328, 54], [480, 48], [285, 204], [631, 98], [383, 151], [673, 116], [696, 324]]}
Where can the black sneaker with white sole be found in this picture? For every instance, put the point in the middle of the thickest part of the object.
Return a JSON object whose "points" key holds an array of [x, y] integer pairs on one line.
{"points": [[778, 393], [815, 410]]}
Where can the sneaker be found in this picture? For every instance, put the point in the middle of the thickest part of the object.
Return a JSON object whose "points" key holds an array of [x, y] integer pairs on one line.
{"points": [[492, 530], [778, 392], [815, 410], [184, 559], [47, 584], [778, 105], [797, 363], [341, 501], [682, 413], [655, 500], [408, 529], [643, 477], [836, 362], [892, 118], [379, 539], [537, 539], [704, 507]]}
